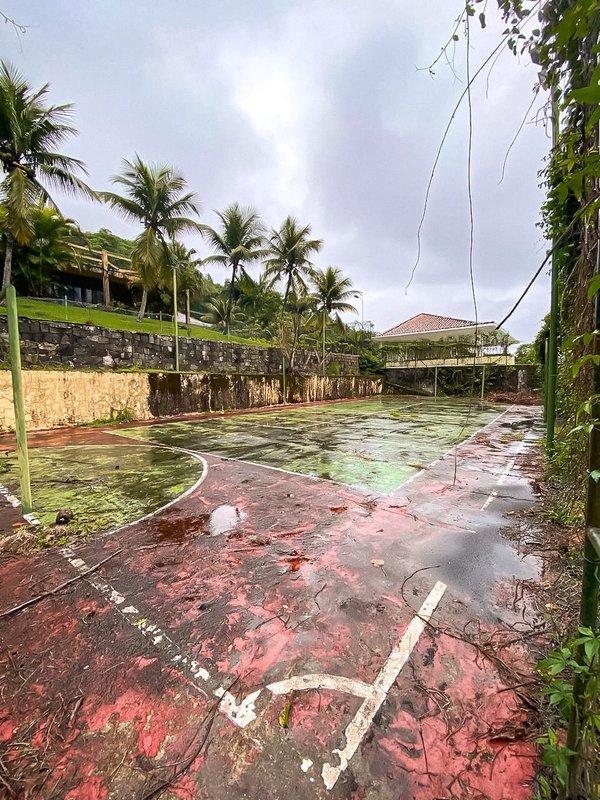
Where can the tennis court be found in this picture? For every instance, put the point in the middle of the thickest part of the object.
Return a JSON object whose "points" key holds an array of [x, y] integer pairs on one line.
{"points": [[373, 445], [274, 599]]}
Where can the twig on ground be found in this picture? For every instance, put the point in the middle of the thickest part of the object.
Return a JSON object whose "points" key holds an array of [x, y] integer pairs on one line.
{"points": [[60, 587]]}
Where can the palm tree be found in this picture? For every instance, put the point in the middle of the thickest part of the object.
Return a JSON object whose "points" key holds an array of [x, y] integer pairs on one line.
{"points": [[154, 196], [332, 292], [189, 279], [46, 252], [288, 261], [31, 131], [222, 312], [239, 241]]}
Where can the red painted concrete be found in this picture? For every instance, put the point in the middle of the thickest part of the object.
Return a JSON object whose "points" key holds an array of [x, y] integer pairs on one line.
{"points": [[290, 590]]}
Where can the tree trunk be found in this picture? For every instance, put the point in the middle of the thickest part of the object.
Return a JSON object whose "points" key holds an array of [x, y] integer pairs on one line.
{"points": [[187, 307], [7, 276], [231, 287], [142, 310]]}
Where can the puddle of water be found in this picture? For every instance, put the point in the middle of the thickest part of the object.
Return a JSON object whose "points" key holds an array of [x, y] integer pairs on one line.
{"points": [[475, 561], [224, 519], [178, 529]]}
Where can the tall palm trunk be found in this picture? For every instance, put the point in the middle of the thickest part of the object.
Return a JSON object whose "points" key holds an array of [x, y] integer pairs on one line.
{"points": [[231, 287], [8, 257], [187, 307], [288, 288], [142, 310]]}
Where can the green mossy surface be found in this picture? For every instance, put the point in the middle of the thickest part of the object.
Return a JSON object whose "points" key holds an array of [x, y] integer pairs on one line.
{"points": [[105, 486], [373, 444]]}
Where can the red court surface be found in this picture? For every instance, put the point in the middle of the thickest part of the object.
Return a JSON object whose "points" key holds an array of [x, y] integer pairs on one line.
{"points": [[310, 640]]}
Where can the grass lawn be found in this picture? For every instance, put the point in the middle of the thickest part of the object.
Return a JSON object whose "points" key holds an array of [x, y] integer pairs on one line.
{"points": [[55, 312]]}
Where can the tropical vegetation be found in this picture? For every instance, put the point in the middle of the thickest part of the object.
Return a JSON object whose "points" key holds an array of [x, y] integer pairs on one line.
{"points": [[291, 301]]}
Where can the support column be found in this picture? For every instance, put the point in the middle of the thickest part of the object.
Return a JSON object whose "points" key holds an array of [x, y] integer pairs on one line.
{"points": [[105, 279], [19, 405]]}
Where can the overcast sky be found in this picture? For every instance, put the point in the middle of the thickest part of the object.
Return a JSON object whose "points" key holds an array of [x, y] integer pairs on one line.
{"points": [[316, 108]]}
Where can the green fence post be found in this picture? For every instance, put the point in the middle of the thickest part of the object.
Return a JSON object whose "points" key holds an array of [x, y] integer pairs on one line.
{"points": [[176, 329], [590, 582], [17, 386], [546, 379], [552, 363]]}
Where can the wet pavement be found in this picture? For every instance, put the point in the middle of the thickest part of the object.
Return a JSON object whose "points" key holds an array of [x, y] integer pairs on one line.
{"points": [[273, 632], [372, 445]]}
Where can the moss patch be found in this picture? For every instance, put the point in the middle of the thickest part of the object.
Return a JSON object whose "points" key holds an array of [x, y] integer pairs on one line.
{"points": [[105, 486]]}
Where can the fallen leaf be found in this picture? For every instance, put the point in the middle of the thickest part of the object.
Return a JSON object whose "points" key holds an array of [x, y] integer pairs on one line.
{"points": [[338, 509], [284, 717], [377, 562]]}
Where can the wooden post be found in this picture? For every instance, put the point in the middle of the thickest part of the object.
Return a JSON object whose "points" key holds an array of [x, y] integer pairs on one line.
{"points": [[482, 381], [105, 279], [19, 405], [435, 369]]}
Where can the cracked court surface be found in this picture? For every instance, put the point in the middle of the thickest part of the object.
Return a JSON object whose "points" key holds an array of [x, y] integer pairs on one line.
{"points": [[262, 594]]}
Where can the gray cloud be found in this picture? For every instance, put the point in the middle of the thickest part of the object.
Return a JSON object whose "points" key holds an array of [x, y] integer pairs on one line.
{"points": [[317, 108]]}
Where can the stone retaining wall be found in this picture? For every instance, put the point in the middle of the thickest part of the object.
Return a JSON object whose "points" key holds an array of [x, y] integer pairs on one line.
{"points": [[45, 342], [74, 397]]}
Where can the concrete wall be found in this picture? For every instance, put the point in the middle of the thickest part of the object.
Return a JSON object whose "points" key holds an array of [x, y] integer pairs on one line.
{"points": [[522, 378], [88, 346], [72, 397]]}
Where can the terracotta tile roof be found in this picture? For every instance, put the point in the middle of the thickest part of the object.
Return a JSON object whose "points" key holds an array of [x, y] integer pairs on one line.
{"points": [[422, 323]]}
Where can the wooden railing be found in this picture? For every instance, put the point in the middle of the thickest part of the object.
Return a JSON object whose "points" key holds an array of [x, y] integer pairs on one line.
{"points": [[100, 263]]}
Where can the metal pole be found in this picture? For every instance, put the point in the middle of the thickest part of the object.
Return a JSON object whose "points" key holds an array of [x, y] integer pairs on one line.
{"points": [[590, 582], [323, 342], [66, 309], [552, 363], [482, 381], [175, 319], [546, 379], [19, 405]]}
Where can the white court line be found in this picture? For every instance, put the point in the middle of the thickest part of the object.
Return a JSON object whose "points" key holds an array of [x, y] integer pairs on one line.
{"points": [[244, 712], [359, 726], [240, 713], [451, 450], [16, 503], [506, 471]]}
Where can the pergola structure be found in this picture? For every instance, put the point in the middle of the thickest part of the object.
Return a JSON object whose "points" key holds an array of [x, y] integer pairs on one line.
{"points": [[430, 340]]}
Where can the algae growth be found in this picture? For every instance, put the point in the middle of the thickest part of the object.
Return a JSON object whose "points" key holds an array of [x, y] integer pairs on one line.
{"points": [[373, 444], [105, 486]]}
